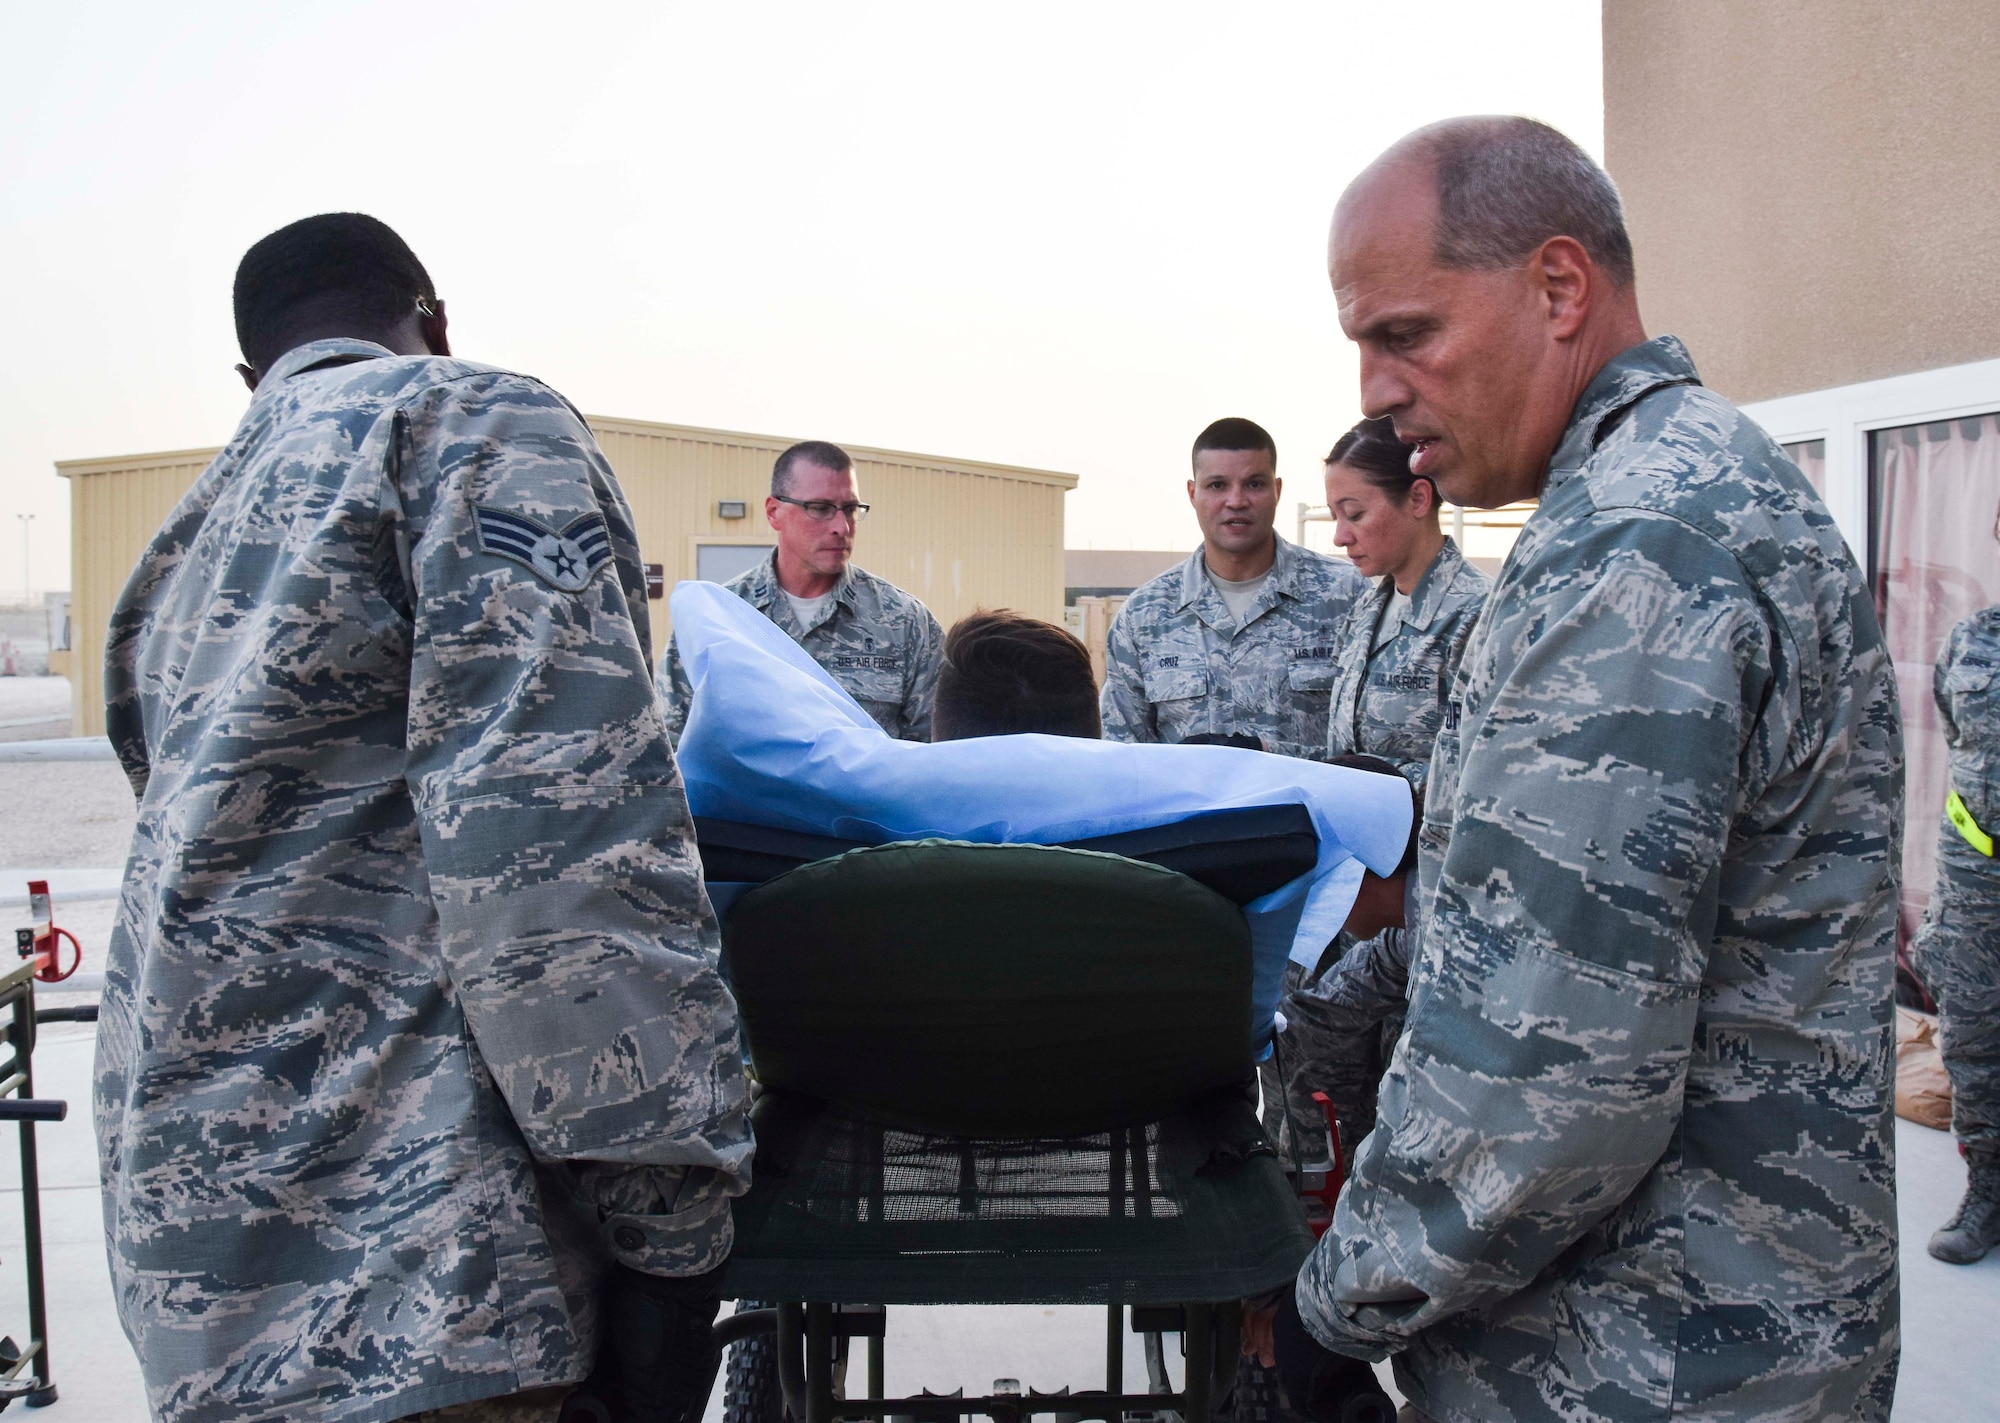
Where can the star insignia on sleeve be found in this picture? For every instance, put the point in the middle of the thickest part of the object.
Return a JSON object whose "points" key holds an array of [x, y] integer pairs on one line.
{"points": [[566, 558]]}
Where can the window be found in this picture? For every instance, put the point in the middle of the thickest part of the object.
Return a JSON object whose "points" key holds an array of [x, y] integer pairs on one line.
{"points": [[1810, 457], [718, 563], [1933, 492]]}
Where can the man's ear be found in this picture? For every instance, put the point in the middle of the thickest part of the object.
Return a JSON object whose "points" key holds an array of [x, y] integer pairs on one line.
{"points": [[1190, 491], [1568, 282], [250, 377], [435, 327]]}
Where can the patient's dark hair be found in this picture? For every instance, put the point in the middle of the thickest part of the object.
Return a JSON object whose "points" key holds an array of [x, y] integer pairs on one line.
{"points": [[1004, 672]]}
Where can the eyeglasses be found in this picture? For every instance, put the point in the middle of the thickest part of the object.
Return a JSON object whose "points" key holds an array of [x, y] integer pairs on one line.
{"points": [[821, 510]]}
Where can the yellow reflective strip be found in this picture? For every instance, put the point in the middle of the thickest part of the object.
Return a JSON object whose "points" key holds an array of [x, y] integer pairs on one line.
{"points": [[1968, 827]]}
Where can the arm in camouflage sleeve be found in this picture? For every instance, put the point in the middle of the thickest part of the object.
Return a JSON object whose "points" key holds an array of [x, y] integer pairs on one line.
{"points": [[1941, 684], [1122, 705], [1333, 1036], [555, 831], [1539, 1078], [925, 653], [675, 692]]}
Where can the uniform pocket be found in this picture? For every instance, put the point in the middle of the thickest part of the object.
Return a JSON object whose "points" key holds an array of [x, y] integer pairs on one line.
{"points": [[1975, 711], [1311, 676], [1182, 684]]}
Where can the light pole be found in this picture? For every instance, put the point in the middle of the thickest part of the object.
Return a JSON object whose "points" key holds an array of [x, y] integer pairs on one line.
{"points": [[27, 589]]}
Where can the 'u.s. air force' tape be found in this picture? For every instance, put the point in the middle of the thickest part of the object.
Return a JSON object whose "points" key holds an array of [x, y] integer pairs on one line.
{"points": [[1967, 827], [566, 558]]}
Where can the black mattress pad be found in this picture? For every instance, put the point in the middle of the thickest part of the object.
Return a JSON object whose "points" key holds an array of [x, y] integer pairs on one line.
{"points": [[1241, 854]]}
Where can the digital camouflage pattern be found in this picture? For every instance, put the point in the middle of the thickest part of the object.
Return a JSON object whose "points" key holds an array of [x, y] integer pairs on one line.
{"points": [[1958, 948], [1389, 699], [881, 644], [412, 1019], [1635, 1156], [1177, 664]]}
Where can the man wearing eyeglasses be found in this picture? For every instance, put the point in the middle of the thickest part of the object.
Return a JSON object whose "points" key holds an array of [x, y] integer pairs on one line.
{"points": [[877, 641]]}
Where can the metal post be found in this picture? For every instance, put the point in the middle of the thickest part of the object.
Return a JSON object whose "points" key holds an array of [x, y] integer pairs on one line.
{"points": [[819, 1364], [31, 1205], [1114, 1350], [1198, 1358]]}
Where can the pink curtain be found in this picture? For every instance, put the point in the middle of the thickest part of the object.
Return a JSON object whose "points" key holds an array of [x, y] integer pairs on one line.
{"points": [[1934, 491], [1810, 457]]}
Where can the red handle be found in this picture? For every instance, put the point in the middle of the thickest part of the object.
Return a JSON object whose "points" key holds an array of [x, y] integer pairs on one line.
{"points": [[48, 956], [1328, 1191]]}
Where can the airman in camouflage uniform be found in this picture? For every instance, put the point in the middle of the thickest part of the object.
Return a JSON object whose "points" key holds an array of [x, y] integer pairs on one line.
{"points": [[882, 645], [1389, 699], [1958, 948], [412, 1023], [1178, 664], [1634, 1157]]}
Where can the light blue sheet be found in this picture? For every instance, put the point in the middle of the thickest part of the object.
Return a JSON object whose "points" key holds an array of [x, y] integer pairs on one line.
{"points": [[771, 739]]}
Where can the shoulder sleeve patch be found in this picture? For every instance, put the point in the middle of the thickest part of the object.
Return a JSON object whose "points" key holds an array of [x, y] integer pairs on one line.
{"points": [[566, 558]]}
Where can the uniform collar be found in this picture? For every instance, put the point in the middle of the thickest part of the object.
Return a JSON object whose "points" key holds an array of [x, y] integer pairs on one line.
{"points": [[764, 590], [1427, 598], [1283, 579], [334, 349], [1625, 380]]}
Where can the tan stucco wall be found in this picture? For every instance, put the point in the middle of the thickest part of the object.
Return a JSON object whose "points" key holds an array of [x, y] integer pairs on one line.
{"points": [[1813, 186]]}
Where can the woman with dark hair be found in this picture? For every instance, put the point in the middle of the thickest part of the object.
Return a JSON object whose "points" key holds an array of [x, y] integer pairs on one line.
{"points": [[1398, 655]]}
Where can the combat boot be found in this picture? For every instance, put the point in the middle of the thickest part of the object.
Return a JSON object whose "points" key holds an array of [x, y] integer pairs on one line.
{"points": [[1975, 1229]]}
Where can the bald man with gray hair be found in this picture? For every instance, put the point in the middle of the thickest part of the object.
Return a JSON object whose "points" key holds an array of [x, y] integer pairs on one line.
{"points": [[1634, 1158]]}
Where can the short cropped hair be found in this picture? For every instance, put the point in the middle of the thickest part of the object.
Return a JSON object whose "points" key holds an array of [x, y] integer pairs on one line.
{"points": [[1235, 433], [1004, 672], [1506, 185], [336, 270], [817, 452]]}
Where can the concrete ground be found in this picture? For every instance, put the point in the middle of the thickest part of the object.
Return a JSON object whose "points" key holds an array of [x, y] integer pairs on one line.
{"points": [[77, 815]]}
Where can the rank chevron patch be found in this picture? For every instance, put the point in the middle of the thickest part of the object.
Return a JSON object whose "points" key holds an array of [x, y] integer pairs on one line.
{"points": [[566, 558]]}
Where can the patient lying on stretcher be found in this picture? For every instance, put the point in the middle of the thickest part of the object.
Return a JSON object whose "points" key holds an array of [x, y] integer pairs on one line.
{"points": [[1004, 672]]}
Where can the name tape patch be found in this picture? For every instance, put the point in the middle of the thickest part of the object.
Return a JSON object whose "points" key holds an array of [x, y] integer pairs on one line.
{"points": [[566, 558]]}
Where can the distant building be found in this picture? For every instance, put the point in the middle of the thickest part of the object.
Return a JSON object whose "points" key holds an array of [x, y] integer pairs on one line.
{"points": [[959, 534], [1813, 188], [1113, 572]]}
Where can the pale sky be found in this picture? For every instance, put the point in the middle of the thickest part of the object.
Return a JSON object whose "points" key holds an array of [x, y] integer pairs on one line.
{"points": [[1063, 235]]}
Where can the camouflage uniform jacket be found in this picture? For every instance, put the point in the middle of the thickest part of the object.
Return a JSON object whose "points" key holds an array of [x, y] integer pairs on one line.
{"points": [[1177, 664], [882, 645], [1634, 1157], [1958, 948], [1389, 699], [412, 1018]]}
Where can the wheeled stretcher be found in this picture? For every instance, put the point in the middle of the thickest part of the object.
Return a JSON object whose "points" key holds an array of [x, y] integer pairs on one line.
{"points": [[1004, 1074]]}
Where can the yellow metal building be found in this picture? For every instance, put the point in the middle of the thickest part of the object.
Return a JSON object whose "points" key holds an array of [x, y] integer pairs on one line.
{"points": [[959, 534]]}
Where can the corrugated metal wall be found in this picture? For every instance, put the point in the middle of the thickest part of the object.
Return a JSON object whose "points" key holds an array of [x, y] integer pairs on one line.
{"points": [[958, 534], [115, 507]]}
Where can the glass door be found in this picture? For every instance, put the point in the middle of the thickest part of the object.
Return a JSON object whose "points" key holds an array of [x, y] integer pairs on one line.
{"points": [[1933, 494]]}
